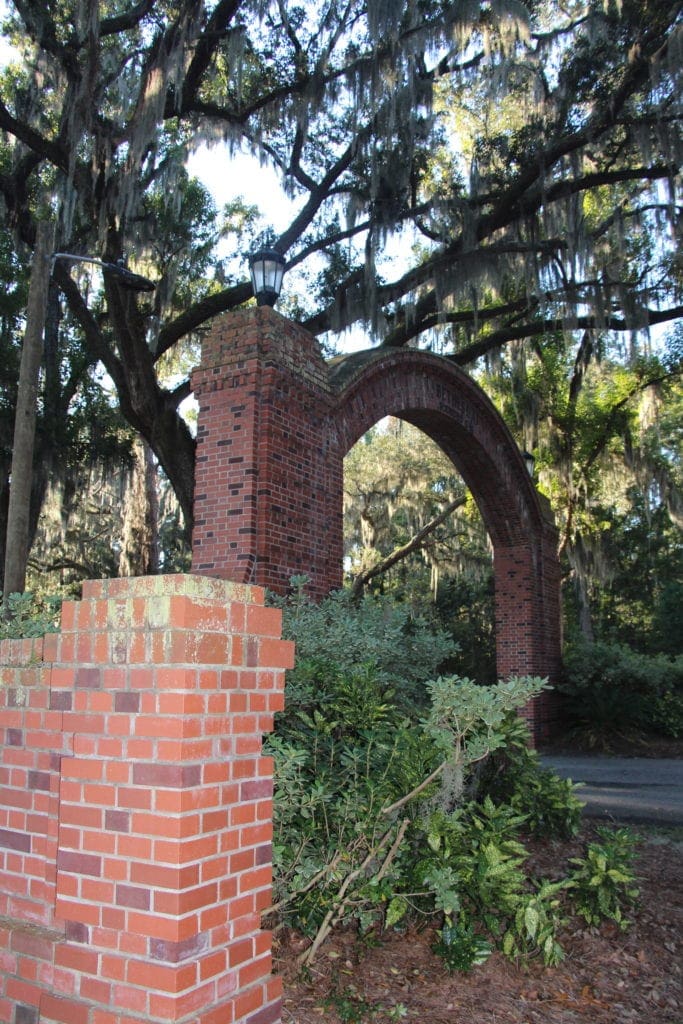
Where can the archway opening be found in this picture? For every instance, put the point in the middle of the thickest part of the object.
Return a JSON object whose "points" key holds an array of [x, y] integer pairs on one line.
{"points": [[413, 532]]}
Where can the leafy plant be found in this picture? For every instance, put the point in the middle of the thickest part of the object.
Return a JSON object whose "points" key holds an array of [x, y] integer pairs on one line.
{"points": [[402, 648], [29, 616], [354, 1009], [460, 947], [514, 775], [358, 761], [614, 692], [373, 818], [603, 885], [476, 869], [350, 1008]]}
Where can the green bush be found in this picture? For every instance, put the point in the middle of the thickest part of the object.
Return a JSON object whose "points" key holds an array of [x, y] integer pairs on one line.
{"points": [[602, 882], [375, 764], [614, 692], [460, 947], [403, 649], [361, 749], [29, 616], [478, 849], [514, 775]]}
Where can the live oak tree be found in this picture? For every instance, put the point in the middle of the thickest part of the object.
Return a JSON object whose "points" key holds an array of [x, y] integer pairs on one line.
{"points": [[607, 433], [554, 212]]}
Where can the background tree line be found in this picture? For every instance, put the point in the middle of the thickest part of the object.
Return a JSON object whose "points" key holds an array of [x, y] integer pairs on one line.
{"points": [[497, 182]]}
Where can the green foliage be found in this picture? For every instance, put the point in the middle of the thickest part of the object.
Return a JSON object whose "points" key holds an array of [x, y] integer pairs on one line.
{"points": [[359, 759], [468, 718], [346, 747], [479, 848], [612, 691], [354, 1009], [603, 882], [371, 821], [339, 634], [461, 948], [464, 605], [29, 615], [514, 775]]}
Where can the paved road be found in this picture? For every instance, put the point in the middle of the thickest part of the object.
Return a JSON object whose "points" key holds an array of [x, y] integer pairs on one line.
{"points": [[635, 789]]}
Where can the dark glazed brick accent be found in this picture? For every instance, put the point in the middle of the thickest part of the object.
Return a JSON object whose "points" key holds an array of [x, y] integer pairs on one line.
{"points": [[79, 863], [117, 821], [256, 789], [173, 952], [168, 776], [88, 678], [39, 780], [24, 1014], [14, 737], [61, 700], [127, 701], [76, 931], [132, 896], [264, 854], [15, 840], [252, 652], [268, 1015]]}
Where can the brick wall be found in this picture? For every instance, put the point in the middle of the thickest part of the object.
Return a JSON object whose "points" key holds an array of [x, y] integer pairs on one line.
{"points": [[136, 812]]}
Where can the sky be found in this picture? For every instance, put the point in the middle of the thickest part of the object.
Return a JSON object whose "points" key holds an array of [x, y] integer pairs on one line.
{"points": [[260, 185], [257, 184]]}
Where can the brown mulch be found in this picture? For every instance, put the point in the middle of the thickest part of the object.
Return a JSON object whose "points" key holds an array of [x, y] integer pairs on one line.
{"points": [[607, 977]]}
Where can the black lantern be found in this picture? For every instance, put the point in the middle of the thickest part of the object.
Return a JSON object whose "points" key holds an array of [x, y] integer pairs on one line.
{"points": [[266, 268], [529, 462]]}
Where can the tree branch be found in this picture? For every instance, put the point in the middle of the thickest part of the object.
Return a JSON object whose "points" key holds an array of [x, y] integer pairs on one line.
{"points": [[405, 549]]}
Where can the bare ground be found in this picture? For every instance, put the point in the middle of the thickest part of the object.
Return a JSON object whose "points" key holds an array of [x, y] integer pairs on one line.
{"points": [[607, 977]]}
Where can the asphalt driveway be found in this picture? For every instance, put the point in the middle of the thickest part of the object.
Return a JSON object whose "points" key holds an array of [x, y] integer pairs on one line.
{"points": [[626, 789]]}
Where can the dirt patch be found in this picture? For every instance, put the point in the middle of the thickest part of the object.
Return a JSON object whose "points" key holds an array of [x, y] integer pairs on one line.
{"points": [[607, 977]]}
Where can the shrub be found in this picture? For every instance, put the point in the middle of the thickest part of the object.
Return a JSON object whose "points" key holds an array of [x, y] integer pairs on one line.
{"points": [[360, 748], [480, 850], [514, 775], [612, 691], [603, 882], [403, 649], [373, 761], [29, 616]]}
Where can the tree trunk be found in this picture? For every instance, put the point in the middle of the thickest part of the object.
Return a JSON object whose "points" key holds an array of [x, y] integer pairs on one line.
{"points": [[152, 505], [140, 547], [18, 516]]}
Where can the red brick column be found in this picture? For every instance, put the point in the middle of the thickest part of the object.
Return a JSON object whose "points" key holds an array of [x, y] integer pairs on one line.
{"points": [[267, 492], [31, 745], [160, 867], [527, 602]]}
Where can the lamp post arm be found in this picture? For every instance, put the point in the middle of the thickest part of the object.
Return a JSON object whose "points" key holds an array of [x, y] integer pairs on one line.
{"points": [[126, 277]]}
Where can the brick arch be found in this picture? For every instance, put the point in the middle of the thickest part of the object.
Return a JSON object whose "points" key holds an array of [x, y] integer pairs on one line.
{"points": [[446, 404], [275, 422], [443, 402]]}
